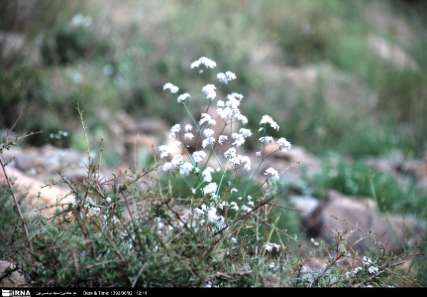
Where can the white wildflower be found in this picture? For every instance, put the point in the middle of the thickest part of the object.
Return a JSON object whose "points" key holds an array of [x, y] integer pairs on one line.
{"points": [[222, 139], [373, 269], [230, 153], [234, 206], [314, 242], [241, 118], [272, 247], [199, 156], [272, 173], [284, 144], [366, 261], [170, 87], [239, 139], [185, 168], [268, 120], [246, 209], [210, 189], [168, 166], [183, 97], [233, 190], [209, 91], [175, 129], [226, 77], [220, 104], [188, 128], [225, 113], [208, 141], [245, 132], [207, 174], [203, 61], [188, 135], [206, 118]]}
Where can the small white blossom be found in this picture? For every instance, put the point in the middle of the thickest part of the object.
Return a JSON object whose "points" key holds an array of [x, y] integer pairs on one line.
{"points": [[234, 206], [183, 97], [266, 119], [366, 261], [226, 77], [206, 118], [241, 118], [185, 168], [314, 242], [239, 139], [210, 189], [222, 139], [170, 87], [272, 173], [209, 91], [188, 135], [245, 132], [373, 269], [207, 174], [233, 190], [203, 61], [246, 209], [272, 247], [208, 141], [208, 132], [188, 128], [230, 153], [220, 104], [168, 166], [175, 129], [199, 156], [284, 144]]}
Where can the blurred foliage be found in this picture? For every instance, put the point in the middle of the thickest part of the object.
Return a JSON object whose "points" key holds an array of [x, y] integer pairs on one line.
{"points": [[120, 58]]}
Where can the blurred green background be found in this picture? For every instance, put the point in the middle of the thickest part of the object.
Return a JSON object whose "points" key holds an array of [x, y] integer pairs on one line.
{"points": [[342, 76]]}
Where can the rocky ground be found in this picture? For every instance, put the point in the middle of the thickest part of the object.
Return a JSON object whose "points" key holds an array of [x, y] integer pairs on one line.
{"points": [[40, 176]]}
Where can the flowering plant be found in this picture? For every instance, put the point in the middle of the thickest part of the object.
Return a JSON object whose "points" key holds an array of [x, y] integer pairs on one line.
{"points": [[212, 146]]}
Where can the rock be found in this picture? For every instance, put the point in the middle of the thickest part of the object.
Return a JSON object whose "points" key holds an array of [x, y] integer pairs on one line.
{"points": [[292, 165], [304, 205], [360, 225], [36, 196], [297, 156], [10, 276], [45, 160]]}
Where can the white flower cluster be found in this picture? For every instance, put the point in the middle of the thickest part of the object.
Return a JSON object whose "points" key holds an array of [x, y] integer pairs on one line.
{"points": [[368, 265], [176, 158]]}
